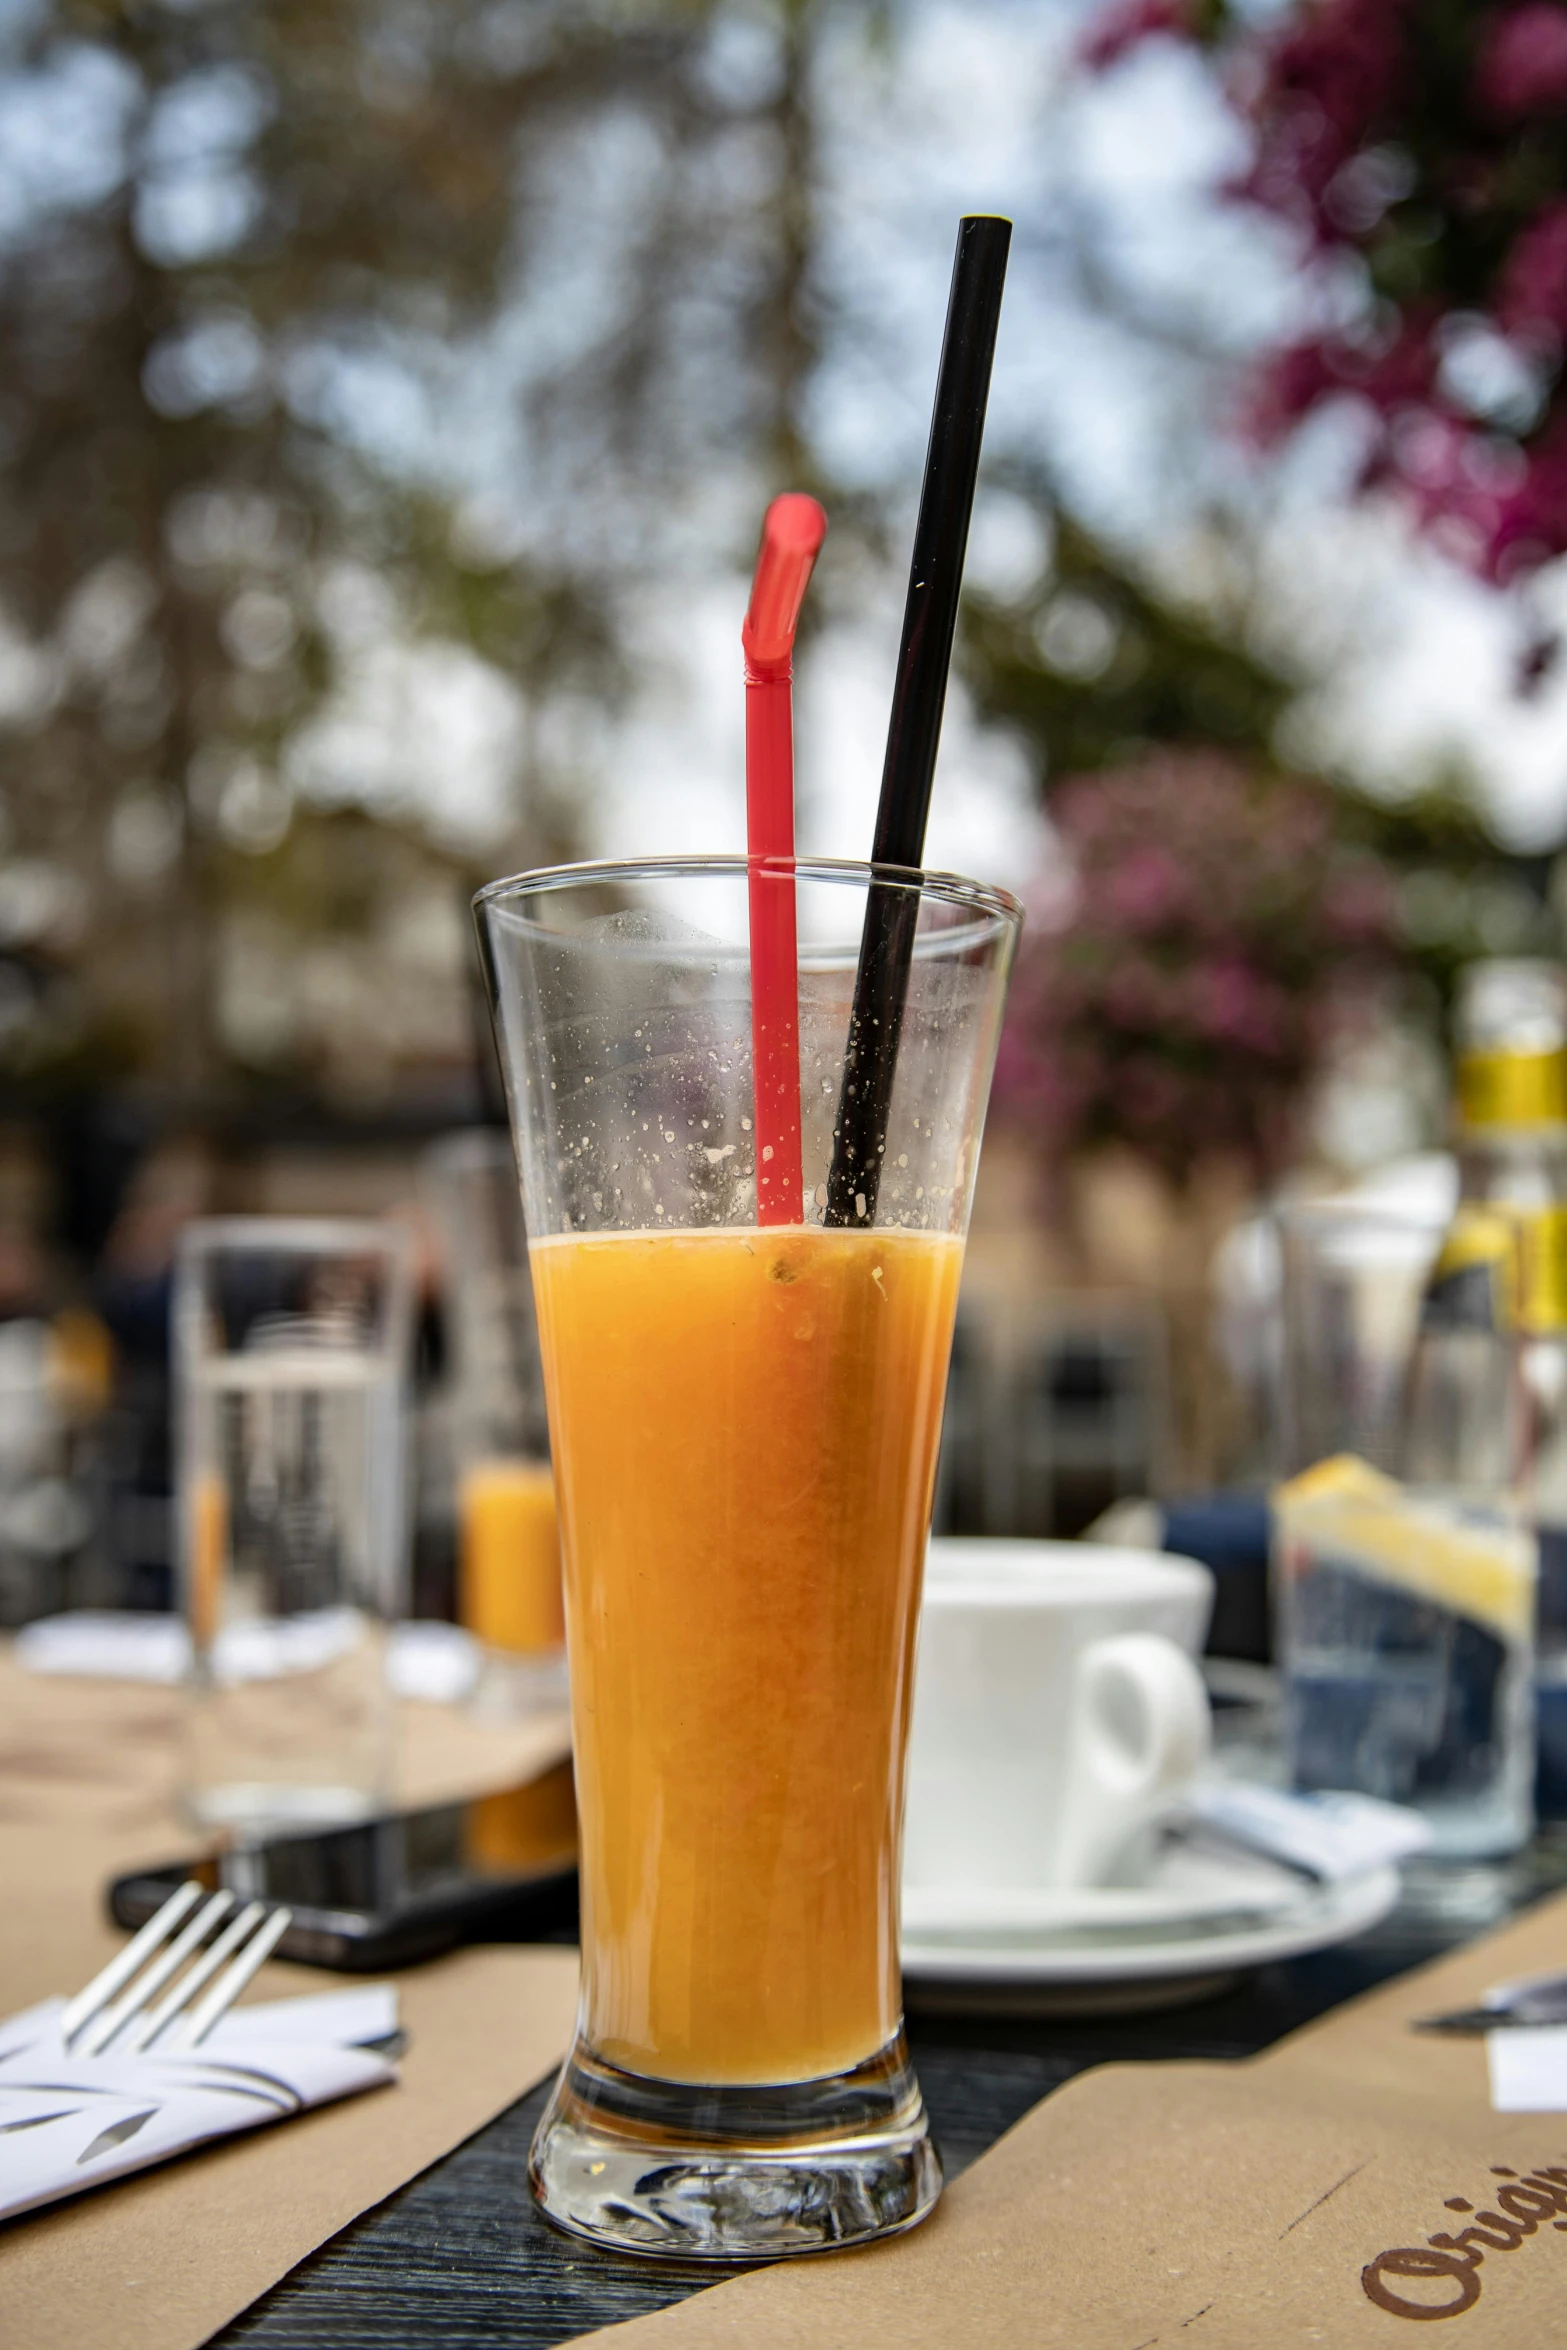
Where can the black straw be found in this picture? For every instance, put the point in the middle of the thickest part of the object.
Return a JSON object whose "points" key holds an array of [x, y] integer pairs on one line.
{"points": [[914, 732]]}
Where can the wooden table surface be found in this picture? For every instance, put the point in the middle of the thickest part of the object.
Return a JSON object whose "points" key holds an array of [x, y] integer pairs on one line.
{"points": [[461, 2257]]}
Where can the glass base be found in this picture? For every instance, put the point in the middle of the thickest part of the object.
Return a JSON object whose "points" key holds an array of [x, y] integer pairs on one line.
{"points": [[678, 2170]]}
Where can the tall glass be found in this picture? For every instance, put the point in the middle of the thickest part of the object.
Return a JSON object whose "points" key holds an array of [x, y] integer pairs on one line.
{"points": [[744, 1421], [1404, 1566], [291, 1343]]}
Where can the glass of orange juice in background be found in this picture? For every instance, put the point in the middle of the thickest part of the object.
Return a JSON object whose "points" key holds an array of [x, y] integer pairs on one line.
{"points": [[744, 1422], [508, 1545]]}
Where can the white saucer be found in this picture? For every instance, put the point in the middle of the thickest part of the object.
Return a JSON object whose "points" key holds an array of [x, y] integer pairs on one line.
{"points": [[1197, 1921]]}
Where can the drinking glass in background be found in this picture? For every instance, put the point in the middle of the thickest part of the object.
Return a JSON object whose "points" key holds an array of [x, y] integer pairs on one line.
{"points": [[291, 1345], [1404, 1565], [744, 1421], [508, 1544]]}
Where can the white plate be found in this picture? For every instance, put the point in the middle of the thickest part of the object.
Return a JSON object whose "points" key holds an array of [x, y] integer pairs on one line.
{"points": [[1188, 1889], [1084, 1942]]}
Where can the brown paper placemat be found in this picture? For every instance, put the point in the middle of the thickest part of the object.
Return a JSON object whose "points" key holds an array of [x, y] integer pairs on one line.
{"points": [[160, 2261], [1213, 2207]]}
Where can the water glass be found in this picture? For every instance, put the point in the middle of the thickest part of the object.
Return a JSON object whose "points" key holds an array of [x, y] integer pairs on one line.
{"points": [[291, 1346], [1404, 1569]]}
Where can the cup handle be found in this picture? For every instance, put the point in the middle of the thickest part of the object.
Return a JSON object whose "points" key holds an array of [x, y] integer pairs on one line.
{"points": [[1140, 1730]]}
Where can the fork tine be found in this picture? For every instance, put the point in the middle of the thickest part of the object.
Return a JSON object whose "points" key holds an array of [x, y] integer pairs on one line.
{"points": [[228, 1987], [98, 2035], [120, 1968], [147, 2027]]}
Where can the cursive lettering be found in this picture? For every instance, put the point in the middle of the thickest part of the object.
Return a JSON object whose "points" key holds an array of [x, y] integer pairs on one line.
{"points": [[1418, 2260], [1448, 2265]]}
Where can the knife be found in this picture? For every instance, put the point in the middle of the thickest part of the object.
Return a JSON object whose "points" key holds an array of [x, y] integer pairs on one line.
{"points": [[1534, 2001]]}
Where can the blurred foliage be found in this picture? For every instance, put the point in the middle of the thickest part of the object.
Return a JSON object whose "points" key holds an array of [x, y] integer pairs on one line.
{"points": [[248, 260], [1417, 148], [264, 273], [1089, 667], [1093, 670]]}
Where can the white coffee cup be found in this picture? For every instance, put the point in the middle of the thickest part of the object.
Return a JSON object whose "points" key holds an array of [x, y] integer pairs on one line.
{"points": [[1057, 1711]]}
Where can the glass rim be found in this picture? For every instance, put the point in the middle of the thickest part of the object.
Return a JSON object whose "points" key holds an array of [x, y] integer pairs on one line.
{"points": [[985, 898], [298, 1235]]}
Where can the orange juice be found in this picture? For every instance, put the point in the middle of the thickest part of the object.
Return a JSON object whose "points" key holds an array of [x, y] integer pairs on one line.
{"points": [[509, 1557], [745, 1425]]}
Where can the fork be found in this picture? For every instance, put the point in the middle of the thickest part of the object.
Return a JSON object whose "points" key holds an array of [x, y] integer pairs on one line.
{"points": [[120, 2008]]}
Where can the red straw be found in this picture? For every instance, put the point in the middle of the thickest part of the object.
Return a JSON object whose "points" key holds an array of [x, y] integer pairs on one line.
{"points": [[792, 533]]}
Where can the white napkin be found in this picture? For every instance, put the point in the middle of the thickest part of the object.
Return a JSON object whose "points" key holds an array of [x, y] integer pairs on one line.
{"points": [[437, 1662], [1331, 1836], [107, 1645], [1528, 2068], [70, 2122]]}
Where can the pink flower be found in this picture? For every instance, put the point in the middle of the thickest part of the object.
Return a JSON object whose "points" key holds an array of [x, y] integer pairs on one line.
{"points": [[1128, 22], [1522, 64], [1359, 906], [1533, 292], [1135, 997], [1235, 1005], [1388, 131], [1145, 889], [1217, 931], [1398, 374], [1531, 519], [1332, 83]]}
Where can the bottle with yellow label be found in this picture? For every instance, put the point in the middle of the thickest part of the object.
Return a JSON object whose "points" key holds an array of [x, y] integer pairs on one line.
{"points": [[1511, 1038]]}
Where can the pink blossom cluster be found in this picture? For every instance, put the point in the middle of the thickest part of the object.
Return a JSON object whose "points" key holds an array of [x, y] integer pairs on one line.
{"points": [[1331, 80], [1215, 937], [1430, 138], [1522, 66]]}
